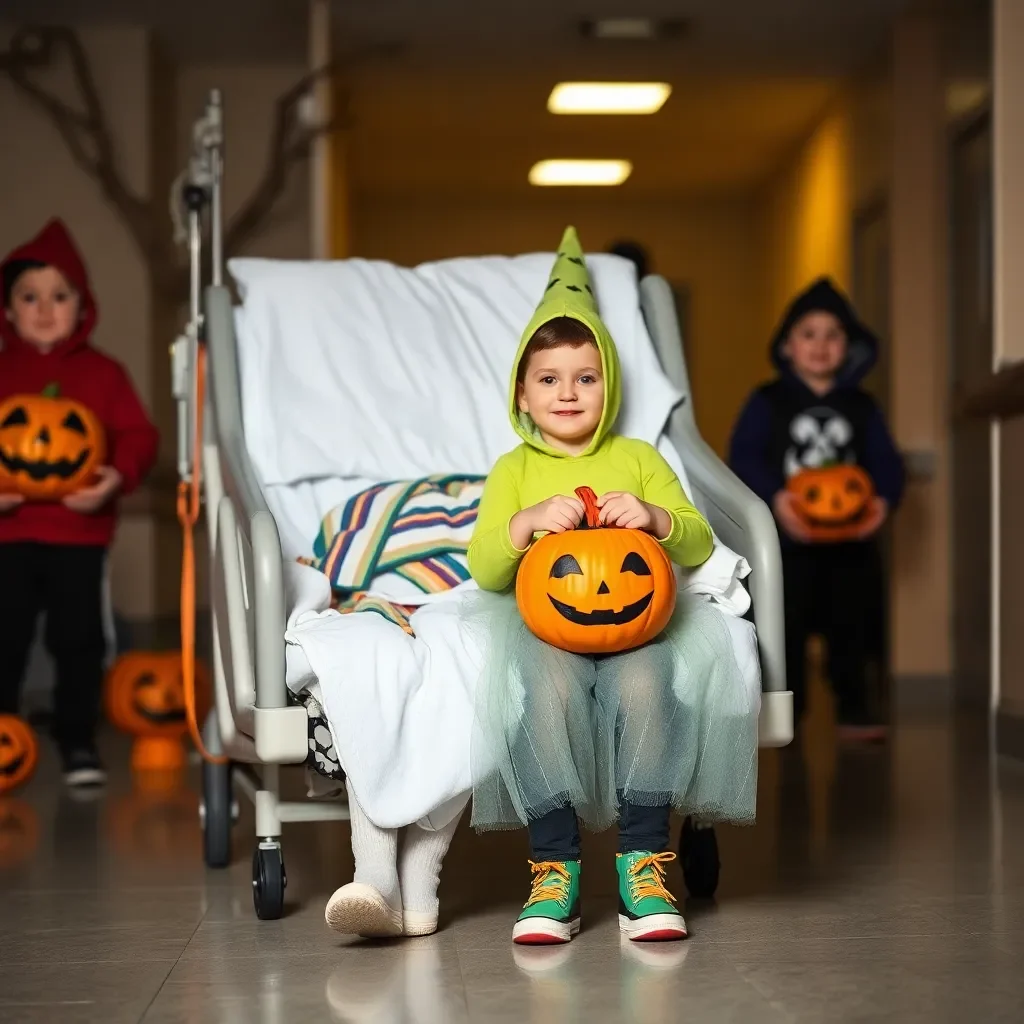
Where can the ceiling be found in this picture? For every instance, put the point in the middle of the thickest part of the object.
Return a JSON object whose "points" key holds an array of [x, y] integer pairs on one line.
{"points": [[791, 34], [798, 35], [460, 133], [458, 104]]}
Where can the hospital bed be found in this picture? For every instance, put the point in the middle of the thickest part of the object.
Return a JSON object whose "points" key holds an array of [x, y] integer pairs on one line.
{"points": [[254, 726]]}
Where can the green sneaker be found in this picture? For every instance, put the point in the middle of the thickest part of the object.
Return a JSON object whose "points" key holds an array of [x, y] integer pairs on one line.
{"points": [[552, 913], [646, 908]]}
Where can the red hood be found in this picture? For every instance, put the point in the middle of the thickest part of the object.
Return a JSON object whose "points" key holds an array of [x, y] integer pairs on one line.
{"points": [[55, 247]]}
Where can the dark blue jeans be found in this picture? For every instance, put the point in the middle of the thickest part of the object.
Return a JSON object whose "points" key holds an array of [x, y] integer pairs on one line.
{"points": [[556, 836]]}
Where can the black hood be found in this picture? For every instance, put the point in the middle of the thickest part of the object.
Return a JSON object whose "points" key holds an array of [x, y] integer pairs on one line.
{"points": [[824, 297]]}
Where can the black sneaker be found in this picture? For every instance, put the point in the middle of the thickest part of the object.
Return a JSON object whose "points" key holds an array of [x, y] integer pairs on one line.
{"points": [[82, 767]]}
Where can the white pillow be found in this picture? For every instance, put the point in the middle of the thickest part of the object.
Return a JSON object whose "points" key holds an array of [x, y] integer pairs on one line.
{"points": [[357, 368]]}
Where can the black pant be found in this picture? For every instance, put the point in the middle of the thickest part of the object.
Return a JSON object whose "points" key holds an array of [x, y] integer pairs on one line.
{"points": [[835, 590], [66, 583], [556, 835]]}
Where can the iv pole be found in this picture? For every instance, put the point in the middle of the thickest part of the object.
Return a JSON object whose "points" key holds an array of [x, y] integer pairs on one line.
{"points": [[197, 188]]}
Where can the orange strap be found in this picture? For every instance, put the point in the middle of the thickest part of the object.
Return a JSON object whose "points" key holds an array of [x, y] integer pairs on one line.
{"points": [[188, 514]]}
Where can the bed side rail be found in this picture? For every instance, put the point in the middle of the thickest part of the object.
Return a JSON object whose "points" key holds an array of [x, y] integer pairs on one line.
{"points": [[248, 551], [739, 518]]}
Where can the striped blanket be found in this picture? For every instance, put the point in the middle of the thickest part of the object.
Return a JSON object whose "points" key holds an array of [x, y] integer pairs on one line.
{"points": [[400, 540]]}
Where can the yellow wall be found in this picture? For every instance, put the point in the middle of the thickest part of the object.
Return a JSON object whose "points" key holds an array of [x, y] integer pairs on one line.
{"points": [[709, 247], [805, 218]]}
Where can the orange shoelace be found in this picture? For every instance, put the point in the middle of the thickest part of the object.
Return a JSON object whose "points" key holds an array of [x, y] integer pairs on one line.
{"points": [[647, 877], [551, 881]]}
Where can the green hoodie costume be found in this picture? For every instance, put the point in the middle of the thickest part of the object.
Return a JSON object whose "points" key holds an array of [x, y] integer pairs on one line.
{"points": [[534, 471]]}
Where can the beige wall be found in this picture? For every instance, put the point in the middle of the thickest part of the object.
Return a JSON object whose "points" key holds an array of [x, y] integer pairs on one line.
{"points": [[249, 95], [919, 377], [707, 246], [1008, 170], [39, 179]]}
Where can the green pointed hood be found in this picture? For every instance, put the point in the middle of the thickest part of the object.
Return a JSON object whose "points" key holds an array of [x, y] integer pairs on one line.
{"points": [[569, 293]]}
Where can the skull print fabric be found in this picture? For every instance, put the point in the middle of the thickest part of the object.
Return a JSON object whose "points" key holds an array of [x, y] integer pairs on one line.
{"points": [[820, 436]]}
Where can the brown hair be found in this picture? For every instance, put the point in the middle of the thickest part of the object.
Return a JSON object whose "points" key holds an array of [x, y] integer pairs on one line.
{"points": [[556, 333]]}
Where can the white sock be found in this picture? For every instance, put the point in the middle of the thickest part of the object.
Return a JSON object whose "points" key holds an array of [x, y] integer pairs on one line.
{"points": [[420, 865], [376, 854]]}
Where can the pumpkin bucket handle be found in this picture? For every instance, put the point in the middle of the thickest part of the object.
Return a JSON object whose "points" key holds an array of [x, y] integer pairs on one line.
{"points": [[592, 517]]}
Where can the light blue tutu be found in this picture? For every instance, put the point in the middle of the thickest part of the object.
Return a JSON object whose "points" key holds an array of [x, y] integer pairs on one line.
{"points": [[666, 723]]}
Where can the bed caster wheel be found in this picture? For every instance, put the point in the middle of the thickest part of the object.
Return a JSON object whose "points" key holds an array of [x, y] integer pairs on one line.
{"points": [[698, 854], [216, 814], [268, 882]]}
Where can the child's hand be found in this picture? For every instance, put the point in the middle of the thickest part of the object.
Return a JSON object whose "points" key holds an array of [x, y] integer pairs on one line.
{"points": [[625, 510], [9, 502], [555, 515], [874, 520], [95, 496], [784, 507]]}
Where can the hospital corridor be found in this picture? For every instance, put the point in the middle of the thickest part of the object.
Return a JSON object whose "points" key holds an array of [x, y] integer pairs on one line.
{"points": [[510, 512]]}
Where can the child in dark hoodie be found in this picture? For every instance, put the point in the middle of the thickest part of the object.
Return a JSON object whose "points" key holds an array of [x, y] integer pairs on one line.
{"points": [[52, 554], [815, 413]]}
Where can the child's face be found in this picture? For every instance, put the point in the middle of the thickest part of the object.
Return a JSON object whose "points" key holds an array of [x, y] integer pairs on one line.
{"points": [[44, 307], [563, 392], [816, 346]]}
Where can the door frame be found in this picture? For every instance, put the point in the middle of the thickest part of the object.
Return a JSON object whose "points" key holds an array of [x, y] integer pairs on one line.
{"points": [[964, 131]]}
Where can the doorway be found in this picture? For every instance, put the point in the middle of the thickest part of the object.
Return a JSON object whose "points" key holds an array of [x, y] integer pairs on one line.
{"points": [[971, 363], [871, 290]]}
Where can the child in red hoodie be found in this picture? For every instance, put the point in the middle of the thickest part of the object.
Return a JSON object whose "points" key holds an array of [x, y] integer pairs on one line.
{"points": [[52, 554]]}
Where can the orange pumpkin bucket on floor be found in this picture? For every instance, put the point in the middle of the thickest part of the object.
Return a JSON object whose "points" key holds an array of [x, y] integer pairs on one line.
{"points": [[145, 698], [19, 752], [596, 589]]}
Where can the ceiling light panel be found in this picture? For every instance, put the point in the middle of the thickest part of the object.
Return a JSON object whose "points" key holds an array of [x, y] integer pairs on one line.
{"points": [[608, 97]]}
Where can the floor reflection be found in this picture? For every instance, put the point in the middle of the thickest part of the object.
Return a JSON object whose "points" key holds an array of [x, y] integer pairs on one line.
{"points": [[879, 883]]}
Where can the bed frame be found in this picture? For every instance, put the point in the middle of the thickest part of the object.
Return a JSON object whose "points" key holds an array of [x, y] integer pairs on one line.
{"points": [[253, 723]]}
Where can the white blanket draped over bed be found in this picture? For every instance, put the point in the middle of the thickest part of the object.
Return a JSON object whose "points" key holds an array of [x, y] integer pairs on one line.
{"points": [[401, 707]]}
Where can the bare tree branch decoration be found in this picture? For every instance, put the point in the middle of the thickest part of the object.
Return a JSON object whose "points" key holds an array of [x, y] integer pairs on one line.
{"points": [[86, 133]]}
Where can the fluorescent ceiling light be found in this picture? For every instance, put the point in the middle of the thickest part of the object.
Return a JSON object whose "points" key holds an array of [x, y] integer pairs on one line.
{"points": [[608, 97], [624, 28], [580, 172]]}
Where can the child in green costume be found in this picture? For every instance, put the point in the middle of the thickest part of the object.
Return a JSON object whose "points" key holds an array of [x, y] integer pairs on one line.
{"points": [[561, 737]]}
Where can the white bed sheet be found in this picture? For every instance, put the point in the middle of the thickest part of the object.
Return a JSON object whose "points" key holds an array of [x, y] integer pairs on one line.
{"points": [[360, 368]]}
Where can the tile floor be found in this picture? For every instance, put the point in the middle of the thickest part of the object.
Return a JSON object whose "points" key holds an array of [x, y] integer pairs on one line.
{"points": [[878, 885]]}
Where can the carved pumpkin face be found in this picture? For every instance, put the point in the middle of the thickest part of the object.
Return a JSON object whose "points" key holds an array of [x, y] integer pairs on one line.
{"points": [[833, 496], [19, 832], [145, 695], [596, 589], [49, 447], [18, 752]]}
